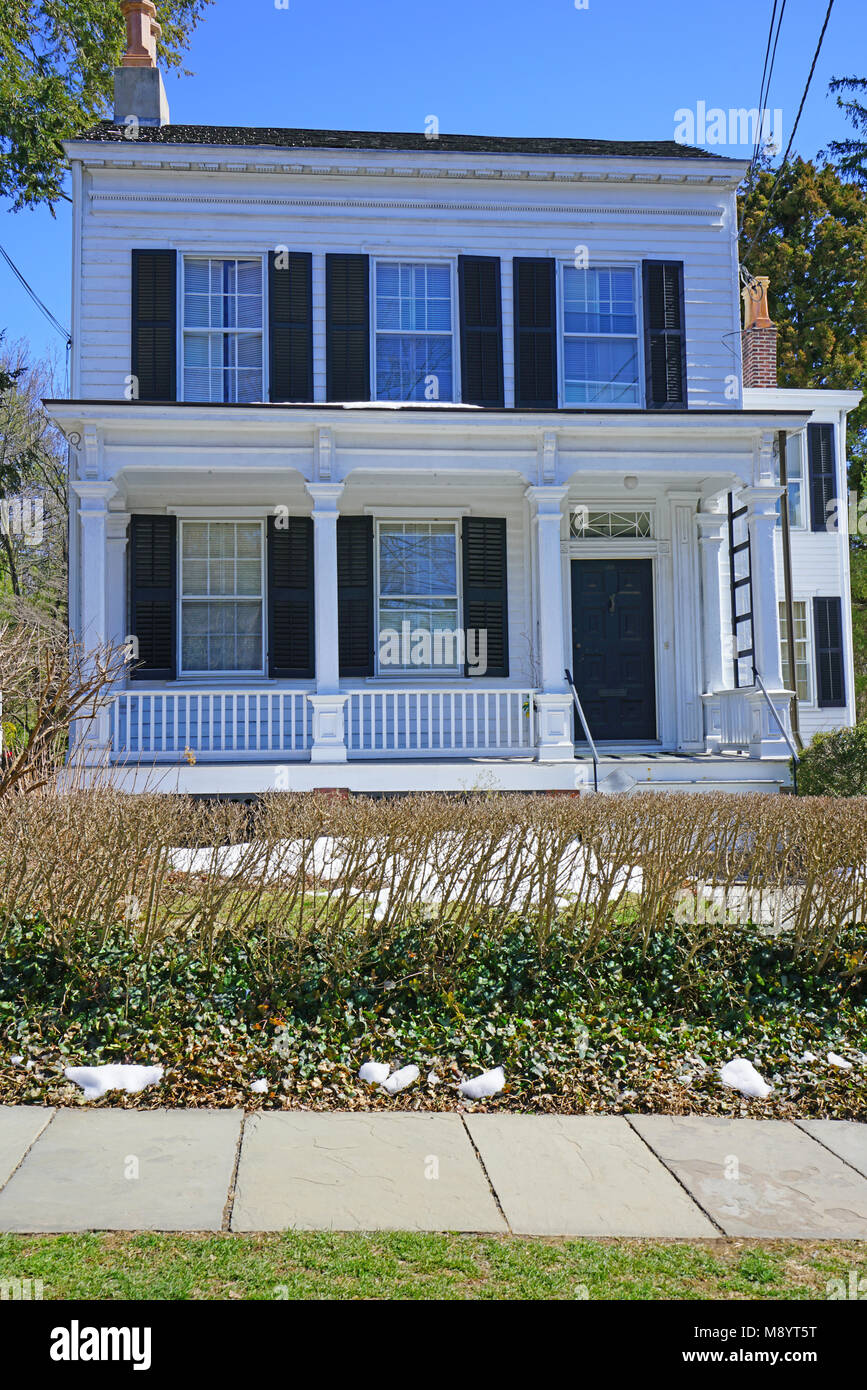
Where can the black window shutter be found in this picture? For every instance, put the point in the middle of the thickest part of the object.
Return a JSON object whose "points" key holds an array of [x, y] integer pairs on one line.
{"points": [[153, 596], [823, 474], [664, 334], [481, 318], [535, 333], [486, 607], [290, 597], [290, 325], [154, 325], [355, 595], [347, 327], [828, 628]]}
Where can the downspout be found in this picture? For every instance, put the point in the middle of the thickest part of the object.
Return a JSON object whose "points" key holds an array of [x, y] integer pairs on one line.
{"points": [[787, 591]]}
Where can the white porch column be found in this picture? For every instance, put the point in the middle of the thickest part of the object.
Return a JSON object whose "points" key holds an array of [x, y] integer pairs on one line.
{"points": [[711, 532], [765, 737], [329, 729], [687, 633], [93, 498], [554, 739], [116, 618]]}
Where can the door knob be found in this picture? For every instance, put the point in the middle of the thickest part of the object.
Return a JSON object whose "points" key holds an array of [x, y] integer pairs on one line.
{"points": [[611, 598]]}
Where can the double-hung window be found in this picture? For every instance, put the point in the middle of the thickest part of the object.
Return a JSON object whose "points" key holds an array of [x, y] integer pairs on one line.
{"points": [[414, 335], [223, 329], [795, 482], [802, 648], [417, 605], [600, 336], [221, 597]]}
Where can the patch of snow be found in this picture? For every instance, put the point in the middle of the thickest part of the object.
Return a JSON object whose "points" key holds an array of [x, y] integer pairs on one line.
{"points": [[95, 1081], [488, 1084], [373, 1072], [741, 1075], [399, 1080], [838, 1061], [259, 1086]]}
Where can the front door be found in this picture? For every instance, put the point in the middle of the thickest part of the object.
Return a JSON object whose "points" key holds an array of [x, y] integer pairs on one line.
{"points": [[612, 647]]}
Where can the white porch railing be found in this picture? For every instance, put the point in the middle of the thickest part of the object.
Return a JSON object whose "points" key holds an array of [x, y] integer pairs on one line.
{"points": [[451, 721], [396, 722], [743, 720], [735, 719], [210, 722]]}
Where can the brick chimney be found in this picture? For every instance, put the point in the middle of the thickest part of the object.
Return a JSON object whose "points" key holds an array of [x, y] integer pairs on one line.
{"points": [[759, 336], [139, 94]]}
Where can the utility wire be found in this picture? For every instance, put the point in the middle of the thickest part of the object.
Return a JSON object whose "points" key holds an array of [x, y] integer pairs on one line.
{"points": [[55, 323], [765, 88], [755, 235]]}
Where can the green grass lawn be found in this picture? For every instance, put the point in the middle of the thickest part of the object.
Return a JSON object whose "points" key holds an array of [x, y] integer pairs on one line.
{"points": [[305, 1265]]}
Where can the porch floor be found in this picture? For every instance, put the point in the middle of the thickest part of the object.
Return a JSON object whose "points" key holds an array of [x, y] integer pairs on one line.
{"points": [[618, 772]]}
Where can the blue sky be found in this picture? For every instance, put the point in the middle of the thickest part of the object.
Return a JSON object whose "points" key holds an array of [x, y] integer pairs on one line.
{"points": [[618, 69]]}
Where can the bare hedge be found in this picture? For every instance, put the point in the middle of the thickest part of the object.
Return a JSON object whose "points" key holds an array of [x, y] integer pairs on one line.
{"points": [[338, 873]]}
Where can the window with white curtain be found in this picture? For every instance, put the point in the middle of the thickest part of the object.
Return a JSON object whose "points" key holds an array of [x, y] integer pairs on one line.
{"points": [[418, 595], [802, 648], [223, 329], [600, 336], [414, 331], [222, 596]]}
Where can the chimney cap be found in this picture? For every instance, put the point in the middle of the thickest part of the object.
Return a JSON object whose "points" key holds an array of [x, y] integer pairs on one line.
{"points": [[142, 32], [755, 297]]}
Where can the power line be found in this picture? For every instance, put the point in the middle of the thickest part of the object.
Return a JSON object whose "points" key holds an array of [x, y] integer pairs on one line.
{"points": [[43, 308], [764, 89], [754, 237]]}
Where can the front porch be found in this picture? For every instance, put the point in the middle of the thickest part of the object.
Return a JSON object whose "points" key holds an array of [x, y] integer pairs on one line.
{"points": [[211, 741]]}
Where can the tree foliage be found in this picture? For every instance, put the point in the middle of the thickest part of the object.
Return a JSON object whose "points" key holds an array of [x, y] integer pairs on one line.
{"points": [[33, 494], [850, 156], [811, 240], [57, 59]]}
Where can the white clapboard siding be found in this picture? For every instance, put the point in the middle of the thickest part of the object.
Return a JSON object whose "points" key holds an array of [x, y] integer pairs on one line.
{"points": [[143, 209]]}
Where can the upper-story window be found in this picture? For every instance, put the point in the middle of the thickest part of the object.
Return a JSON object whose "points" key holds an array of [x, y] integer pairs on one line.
{"points": [[414, 335], [600, 336], [222, 329], [795, 481]]}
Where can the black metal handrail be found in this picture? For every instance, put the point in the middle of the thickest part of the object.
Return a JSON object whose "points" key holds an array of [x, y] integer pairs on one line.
{"points": [[587, 734], [780, 725]]}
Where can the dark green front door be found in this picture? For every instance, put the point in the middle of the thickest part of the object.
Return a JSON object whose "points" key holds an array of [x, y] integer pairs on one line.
{"points": [[612, 647]]}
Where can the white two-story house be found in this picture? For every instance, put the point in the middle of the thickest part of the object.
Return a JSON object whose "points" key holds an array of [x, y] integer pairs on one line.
{"points": [[374, 437]]}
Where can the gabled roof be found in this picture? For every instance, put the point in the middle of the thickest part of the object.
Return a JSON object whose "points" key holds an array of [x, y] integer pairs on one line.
{"points": [[415, 141]]}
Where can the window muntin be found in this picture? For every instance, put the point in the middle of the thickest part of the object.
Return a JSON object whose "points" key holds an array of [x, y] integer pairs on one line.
{"points": [[588, 524], [802, 648], [417, 566], [600, 336], [795, 482], [223, 329], [414, 336], [222, 596]]}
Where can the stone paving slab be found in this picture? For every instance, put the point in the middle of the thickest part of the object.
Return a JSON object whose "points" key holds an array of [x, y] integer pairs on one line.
{"points": [[75, 1177], [846, 1138], [356, 1172], [786, 1185], [20, 1126], [581, 1175]]}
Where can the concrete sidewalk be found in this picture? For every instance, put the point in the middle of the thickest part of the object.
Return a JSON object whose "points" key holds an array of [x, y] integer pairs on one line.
{"points": [[583, 1175]]}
